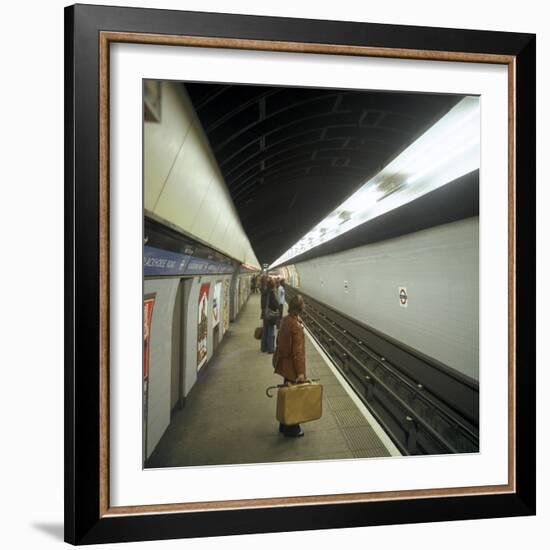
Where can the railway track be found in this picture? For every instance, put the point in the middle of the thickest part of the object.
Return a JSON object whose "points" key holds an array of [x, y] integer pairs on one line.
{"points": [[425, 407]]}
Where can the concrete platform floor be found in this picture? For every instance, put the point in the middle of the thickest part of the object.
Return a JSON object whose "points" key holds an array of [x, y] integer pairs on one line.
{"points": [[228, 419]]}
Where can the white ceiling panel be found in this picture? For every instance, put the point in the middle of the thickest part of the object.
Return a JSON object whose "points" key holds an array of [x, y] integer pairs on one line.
{"points": [[162, 142]]}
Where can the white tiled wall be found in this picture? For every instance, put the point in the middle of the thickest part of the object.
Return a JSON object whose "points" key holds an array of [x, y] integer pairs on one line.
{"points": [[160, 358], [439, 267], [182, 182]]}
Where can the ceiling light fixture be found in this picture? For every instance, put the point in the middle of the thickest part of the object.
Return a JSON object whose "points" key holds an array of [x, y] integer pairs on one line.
{"points": [[445, 152]]}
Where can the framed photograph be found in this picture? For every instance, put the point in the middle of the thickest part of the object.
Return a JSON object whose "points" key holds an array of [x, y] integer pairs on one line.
{"points": [[365, 193]]}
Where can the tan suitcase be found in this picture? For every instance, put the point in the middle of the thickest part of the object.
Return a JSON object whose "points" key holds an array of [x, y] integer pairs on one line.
{"points": [[298, 403]]}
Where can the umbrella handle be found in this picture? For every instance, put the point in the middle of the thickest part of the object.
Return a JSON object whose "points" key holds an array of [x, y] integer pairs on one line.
{"points": [[270, 388]]}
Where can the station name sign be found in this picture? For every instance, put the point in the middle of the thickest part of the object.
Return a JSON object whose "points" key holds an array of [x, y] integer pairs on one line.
{"points": [[163, 262]]}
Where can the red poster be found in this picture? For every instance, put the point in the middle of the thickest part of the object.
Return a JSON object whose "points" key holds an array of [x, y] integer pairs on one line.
{"points": [[147, 314], [202, 332]]}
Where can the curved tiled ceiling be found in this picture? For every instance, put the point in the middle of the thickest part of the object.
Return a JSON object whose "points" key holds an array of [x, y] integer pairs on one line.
{"points": [[289, 156]]}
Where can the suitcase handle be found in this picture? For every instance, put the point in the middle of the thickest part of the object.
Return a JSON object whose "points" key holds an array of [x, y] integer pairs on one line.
{"points": [[306, 381]]}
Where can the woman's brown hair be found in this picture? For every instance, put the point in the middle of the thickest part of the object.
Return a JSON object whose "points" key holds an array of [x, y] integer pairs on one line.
{"points": [[296, 305]]}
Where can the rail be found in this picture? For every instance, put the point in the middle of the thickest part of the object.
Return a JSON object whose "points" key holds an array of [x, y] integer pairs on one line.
{"points": [[425, 407]]}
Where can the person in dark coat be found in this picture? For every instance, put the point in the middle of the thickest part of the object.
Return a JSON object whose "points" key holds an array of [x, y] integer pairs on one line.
{"points": [[263, 281], [270, 308], [253, 284], [289, 359]]}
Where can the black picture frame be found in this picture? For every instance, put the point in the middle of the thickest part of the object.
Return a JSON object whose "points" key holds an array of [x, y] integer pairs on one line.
{"points": [[86, 520]]}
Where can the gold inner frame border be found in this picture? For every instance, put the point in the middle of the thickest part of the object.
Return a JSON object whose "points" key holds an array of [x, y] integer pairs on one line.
{"points": [[105, 40]]}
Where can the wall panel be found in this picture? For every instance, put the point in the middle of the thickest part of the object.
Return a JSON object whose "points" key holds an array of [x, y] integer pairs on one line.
{"points": [[182, 183], [439, 267]]}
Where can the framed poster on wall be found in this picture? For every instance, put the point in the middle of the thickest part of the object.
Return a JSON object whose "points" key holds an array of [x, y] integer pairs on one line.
{"points": [[148, 304], [202, 330]]}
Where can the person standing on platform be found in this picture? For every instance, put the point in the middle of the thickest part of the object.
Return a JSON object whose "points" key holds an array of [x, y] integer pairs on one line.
{"points": [[289, 359], [280, 299], [253, 284], [263, 280], [270, 311], [262, 298]]}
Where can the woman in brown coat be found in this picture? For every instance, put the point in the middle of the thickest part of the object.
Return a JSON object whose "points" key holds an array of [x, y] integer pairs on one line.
{"points": [[290, 357]]}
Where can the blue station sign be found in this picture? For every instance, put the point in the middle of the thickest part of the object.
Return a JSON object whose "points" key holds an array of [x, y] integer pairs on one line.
{"points": [[163, 262]]}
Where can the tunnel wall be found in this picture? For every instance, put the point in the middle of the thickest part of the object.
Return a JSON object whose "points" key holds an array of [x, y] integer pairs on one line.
{"points": [[191, 333], [439, 267], [182, 182], [163, 341], [160, 357]]}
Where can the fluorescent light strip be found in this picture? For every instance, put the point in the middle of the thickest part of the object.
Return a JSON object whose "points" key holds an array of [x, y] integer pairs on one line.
{"points": [[445, 152]]}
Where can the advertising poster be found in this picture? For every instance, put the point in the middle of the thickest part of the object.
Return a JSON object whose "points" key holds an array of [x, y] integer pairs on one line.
{"points": [[216, 304], [147, 314], [294, 276], [243, 282], [238, 297], [290, 275], [225, 324], [202, 333], [148, 304]]}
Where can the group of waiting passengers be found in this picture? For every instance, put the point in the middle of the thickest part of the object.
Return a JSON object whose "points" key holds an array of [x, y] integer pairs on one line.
{"points": [[289, 359]]}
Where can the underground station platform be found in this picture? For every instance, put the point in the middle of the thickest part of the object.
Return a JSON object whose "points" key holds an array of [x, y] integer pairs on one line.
{"points": [[228, 419]]}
